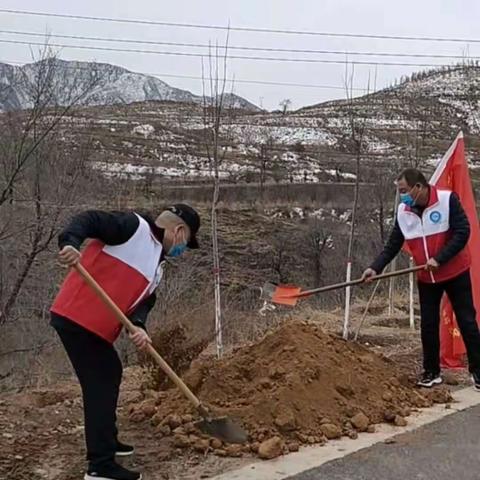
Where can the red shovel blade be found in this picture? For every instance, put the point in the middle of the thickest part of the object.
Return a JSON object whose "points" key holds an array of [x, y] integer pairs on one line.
{"points": [[286, 295]]}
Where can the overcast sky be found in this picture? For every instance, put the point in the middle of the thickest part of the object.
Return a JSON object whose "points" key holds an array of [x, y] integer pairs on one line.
{"points": [[439, 18]]}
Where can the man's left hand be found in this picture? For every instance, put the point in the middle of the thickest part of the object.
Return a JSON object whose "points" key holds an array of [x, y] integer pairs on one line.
{"points": [[432, 264], [140, 338]]}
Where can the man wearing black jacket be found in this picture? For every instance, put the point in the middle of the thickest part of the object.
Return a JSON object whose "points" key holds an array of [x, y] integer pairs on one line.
{"points": [[125, 255], [436, 230]]}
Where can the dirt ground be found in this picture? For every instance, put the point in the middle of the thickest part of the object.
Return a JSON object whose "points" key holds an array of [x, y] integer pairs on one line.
{"points": [[275, 386]]}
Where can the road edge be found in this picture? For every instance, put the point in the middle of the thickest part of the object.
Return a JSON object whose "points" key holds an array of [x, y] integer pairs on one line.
{"points": [[315, 456]]}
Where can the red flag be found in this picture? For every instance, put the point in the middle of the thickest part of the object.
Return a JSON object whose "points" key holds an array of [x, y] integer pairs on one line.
{"points": [[452, 174]]}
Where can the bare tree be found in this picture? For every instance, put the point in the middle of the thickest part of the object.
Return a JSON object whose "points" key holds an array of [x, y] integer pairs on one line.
{"points": [[317, 241], [264, 164], [35, 180], [213, 116], [279, 255], [285, 105], [356, 144], [41, 176], [383, 195]]}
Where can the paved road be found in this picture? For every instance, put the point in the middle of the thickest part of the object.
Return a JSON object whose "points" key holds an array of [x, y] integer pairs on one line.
{"points": [[448, 449]]}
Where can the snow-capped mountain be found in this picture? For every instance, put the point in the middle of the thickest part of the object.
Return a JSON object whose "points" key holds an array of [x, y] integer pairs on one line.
{"points": [[105, 84]]}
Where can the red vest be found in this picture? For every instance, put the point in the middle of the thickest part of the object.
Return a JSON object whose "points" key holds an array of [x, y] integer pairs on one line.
{"points": [[128, 273], [426, 236]]}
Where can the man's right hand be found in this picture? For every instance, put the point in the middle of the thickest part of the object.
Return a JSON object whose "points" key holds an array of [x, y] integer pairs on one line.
{"points": [[369, 275], [69, 256]]}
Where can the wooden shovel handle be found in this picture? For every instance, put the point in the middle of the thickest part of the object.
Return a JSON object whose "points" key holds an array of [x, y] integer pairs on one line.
{"points": [[122, 318]]}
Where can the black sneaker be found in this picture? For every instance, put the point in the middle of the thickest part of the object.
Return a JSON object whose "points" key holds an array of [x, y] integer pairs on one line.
{"points": [[111, 471], [429, 379], [124, 450], [476, 380]]}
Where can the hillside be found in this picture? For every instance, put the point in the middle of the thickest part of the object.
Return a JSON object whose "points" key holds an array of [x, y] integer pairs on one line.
{"points": [[411, 123]]}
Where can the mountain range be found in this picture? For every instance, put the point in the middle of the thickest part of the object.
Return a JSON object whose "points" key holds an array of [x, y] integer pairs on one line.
{"points": [[114, 85]]}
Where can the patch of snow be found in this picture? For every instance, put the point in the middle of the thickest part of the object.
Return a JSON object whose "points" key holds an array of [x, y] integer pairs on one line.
{"points": [[329, 243], [320, 214], [297, 212], [258, 134], [335, 173], [145, 130], [113, 122], [379, 146]]}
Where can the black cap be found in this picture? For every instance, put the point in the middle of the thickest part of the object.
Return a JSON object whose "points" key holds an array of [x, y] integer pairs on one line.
{"points": [[191, 218]]}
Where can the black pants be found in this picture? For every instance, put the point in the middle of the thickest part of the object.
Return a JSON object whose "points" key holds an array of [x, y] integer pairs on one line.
{"points": [[459, 291], [99, 371]]}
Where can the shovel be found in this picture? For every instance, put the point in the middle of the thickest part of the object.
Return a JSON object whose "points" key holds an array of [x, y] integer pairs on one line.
{"points": [[290, 294], [221, 427]]}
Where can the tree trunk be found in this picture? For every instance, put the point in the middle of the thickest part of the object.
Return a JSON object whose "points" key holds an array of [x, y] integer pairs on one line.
{"points": [[350, 249]]}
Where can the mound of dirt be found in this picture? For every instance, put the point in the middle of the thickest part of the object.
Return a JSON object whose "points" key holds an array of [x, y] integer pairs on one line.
{"points": [[297, 385]]}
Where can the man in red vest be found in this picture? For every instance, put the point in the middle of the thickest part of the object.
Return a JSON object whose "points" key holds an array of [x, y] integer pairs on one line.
{"points": [[436, 230], [125, 256]]}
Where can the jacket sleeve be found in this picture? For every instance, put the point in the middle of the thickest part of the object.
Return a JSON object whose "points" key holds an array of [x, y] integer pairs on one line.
{"points": [[139, 316], [112, 228], [391, 249], [459, 228]]}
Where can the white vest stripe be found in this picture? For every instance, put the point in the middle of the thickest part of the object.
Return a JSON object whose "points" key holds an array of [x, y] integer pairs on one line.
{"points": [[142, 252]]}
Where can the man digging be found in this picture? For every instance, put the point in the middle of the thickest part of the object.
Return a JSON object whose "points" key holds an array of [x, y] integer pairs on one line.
{"points": [[435, 227], [125, 256]]}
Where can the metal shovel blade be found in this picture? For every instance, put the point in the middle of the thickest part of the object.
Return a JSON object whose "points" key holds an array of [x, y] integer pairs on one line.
{"points": [[267, 291], [223, 428], [281, 294]]}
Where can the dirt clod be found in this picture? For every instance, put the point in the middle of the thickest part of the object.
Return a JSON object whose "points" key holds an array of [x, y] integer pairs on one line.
{"points": [[157, 419], [360, 421], [387, 396], [234, 450], [293, 447], [285, 421], [189, 427], [400, 421], [148, 408], [389, 416], [271, 448], [254, 447], [163, 430], [173, 421], [216, 443], [181, 441], [201, 445], [331, 431], [187, 418]]}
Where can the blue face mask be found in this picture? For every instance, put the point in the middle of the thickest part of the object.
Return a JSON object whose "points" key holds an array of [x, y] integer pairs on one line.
{"points": [[177, 250], [407, 199]]}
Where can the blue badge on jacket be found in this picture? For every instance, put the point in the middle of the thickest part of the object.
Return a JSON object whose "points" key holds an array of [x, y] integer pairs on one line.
{"points": [[435, 216]]}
